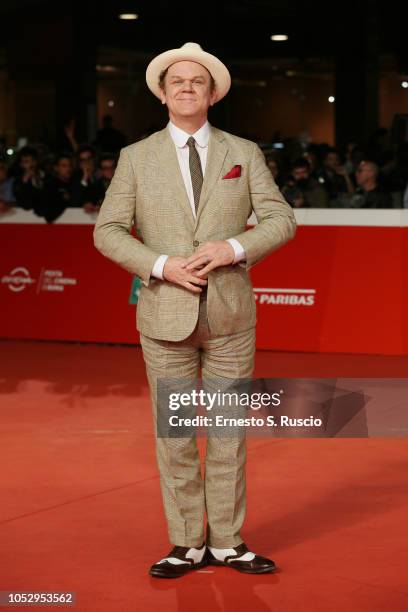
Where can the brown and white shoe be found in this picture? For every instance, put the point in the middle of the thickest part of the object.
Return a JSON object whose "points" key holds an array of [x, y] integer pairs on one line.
{"points": [[241, 559], [179, 561]]}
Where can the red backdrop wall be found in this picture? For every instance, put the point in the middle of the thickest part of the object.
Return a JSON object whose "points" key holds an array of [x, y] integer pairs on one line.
{"points": [[339, 286]]}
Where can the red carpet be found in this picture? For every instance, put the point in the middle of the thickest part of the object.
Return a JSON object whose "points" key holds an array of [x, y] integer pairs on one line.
{"points": [[81, 505]]}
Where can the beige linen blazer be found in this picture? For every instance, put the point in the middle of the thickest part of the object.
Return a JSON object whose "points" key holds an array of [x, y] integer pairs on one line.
{"points": [[148, 191]]}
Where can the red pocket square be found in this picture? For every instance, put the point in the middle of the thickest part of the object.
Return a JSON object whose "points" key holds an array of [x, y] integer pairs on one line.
{"points": [[235, 172]]}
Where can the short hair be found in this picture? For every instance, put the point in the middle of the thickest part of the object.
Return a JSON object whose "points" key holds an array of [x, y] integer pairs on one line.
{"points": [[28, 151], [61, 156], [107, 157], [163, 73], [86, 147], [301, 162], [330, 150], [270, 157], [373, 165]]}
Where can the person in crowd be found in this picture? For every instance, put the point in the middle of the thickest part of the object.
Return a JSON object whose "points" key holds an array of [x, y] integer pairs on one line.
{"points": [[85, 176], [109, 138], [355, 157], [312, 156], [335, 179], [7, 198], [273, 166], [347, 152], [29, 180], [96, 192], [58, 188], [368, 193], [303, 191]]}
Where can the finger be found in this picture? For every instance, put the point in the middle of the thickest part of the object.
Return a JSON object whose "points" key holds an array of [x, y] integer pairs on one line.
{"points": [[196, 280], [211, 266], [197, 262], [192, 288], [196, 254], [201, 252], [195, 272]]}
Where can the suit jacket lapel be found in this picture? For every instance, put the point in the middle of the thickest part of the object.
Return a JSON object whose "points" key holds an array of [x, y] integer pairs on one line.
{"points": [[217, 150], [168, 161]]}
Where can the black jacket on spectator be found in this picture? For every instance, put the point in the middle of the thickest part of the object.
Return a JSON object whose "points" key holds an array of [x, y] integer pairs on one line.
{"points": [[96, 191], [334, 183], [376, 198], [28, 194], [57, 196], [81, 194]]}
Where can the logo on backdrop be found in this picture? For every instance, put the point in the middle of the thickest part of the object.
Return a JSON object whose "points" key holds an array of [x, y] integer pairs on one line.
{"points": [[18, 279], [49, 280], [54, 280], [285, 297]]}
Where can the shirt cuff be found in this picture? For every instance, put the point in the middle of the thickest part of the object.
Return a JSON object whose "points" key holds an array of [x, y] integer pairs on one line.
{"points": [[158, 266], [238, 249]]}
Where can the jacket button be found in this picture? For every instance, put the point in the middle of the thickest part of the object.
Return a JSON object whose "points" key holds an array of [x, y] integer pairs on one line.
{"points": [[196, 242]]}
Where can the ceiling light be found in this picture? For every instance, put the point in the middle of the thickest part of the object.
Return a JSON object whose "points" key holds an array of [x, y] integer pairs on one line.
{"points": [[279, 37], [128, 16], [105, 68]]}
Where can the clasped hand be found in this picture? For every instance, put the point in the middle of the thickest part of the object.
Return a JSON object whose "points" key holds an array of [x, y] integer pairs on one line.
{"points": [[192, 272]]}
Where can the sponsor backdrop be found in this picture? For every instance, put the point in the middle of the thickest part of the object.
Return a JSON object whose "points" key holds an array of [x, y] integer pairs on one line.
{"points": [[340, 286]]}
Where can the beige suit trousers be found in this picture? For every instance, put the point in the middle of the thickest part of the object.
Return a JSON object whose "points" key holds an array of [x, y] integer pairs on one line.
{"points": [[221, 494]]}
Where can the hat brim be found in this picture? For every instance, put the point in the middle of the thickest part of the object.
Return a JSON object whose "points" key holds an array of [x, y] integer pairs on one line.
{"points": [[214, 66]]}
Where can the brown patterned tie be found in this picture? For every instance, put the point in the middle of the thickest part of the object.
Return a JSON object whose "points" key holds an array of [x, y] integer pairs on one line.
{"points": [[195, 171]]}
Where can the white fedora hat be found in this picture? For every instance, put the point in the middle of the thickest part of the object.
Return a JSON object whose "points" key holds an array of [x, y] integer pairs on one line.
{"points": [[192, 52]]}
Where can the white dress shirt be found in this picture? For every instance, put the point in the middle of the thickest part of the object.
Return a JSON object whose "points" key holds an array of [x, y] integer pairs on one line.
{"points": [[180, 138]]}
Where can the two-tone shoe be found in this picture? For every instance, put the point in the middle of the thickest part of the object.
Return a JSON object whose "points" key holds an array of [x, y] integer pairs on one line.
{"points": [[241, 559], [179, 561]]}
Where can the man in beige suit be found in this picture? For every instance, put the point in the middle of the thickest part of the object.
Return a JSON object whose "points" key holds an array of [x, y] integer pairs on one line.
{"points": [[189, 189]]}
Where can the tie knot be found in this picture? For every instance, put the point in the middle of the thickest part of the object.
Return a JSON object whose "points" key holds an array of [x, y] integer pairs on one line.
{"points": [[191, 142]]}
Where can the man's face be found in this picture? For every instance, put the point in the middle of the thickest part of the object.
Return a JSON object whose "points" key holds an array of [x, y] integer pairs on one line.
{"points": [[187, 91], [28, 162], [365, 172], [64, 168], [108, 168], [311, 158], [271, 163], [300, 173], [86, 160], [332, 160]]}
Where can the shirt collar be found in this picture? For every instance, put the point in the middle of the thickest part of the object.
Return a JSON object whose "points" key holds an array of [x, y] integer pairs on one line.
{"points": [[180, 137]]}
